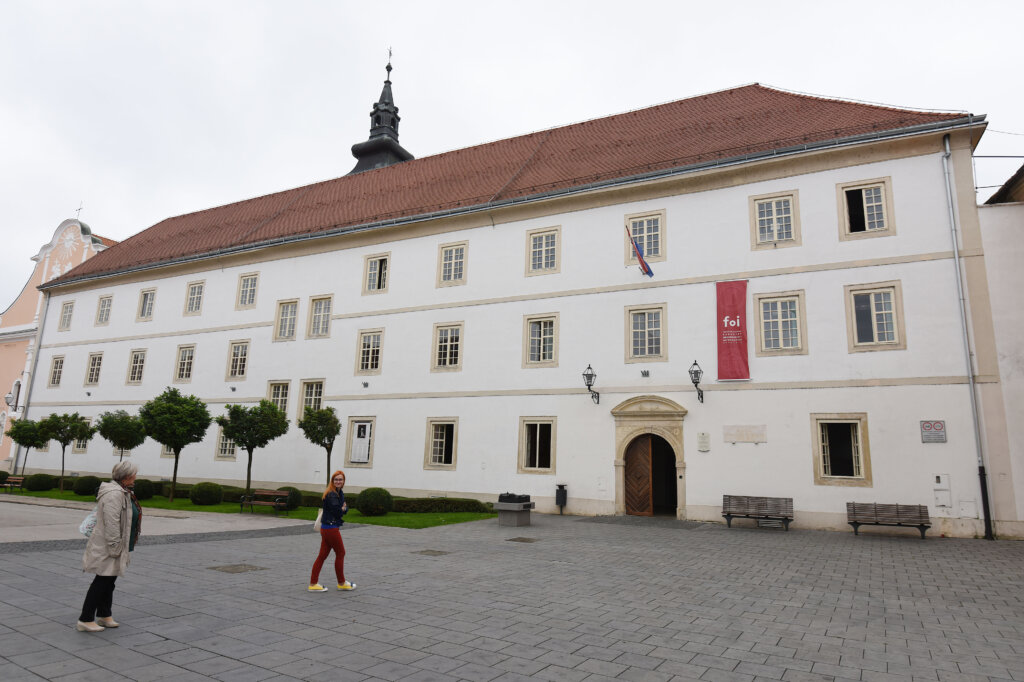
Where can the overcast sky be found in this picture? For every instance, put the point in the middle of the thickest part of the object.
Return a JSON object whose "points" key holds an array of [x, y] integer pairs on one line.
{"points": [[141, 110]]}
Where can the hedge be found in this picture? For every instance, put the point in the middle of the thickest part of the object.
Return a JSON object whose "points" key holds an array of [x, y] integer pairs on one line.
{"points": [[144, 488], [38, 482], [435, 505], [3, 476], [206, 493], [87, 485]]}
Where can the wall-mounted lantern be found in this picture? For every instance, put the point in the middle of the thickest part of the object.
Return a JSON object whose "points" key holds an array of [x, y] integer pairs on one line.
{"points": [[695, 374], [9, 399], [589, 376]]}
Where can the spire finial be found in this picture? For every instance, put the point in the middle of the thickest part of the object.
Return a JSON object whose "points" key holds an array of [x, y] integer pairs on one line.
{"points": [[388, 67]]}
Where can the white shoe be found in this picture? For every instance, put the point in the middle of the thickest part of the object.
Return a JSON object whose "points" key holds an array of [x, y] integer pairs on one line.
{"points": [[107, 622], [89, 627]]}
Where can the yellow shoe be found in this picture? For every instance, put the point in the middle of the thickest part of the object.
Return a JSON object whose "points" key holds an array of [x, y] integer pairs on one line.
{"points": [[107, 622], [347, 586], [317, 588]]}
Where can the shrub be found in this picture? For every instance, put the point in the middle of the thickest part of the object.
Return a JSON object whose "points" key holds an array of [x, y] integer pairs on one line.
{"points": [[232, 493], [87, 485], [180, 490], [374, 502], [38, 482], [144, 488], [294, 497], [312, 499], [206, 493], [3, 476], [445, 505]]}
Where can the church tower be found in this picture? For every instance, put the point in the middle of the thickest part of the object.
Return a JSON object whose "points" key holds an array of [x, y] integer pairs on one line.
{"points": [[382, 148]]}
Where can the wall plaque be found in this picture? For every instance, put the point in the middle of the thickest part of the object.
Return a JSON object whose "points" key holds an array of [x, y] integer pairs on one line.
{"points": [[756, 433]]}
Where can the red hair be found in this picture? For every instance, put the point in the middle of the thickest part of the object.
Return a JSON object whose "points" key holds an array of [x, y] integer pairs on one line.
{"points": [[330, 484]]}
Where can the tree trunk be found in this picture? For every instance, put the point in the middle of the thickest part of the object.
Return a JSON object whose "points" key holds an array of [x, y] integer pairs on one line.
{"points": [[24, 462], [62, 450], [248, 475], [121, 457], [329, 448], [174, 477]]}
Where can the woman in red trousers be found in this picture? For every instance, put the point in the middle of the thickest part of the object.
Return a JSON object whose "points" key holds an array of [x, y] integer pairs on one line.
{"points": [[334, 509]]}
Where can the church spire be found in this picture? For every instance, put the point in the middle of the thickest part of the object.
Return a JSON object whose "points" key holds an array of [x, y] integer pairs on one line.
{"points": [[382, 148]]}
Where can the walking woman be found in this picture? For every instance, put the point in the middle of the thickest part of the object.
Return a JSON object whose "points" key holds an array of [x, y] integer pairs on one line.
{"points": [[334, 507], [118, 523]]}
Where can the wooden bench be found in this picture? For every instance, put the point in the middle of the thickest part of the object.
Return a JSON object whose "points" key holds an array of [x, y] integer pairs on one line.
{"points": [[871, 514], [764, 510], [13, 482], [278, 499]]}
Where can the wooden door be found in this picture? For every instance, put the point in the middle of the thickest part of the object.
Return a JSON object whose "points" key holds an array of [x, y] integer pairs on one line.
{"points": [[639, 497]]}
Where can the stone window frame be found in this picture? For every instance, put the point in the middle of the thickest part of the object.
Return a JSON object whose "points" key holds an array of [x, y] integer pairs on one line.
{"points": [[276, 400], [441, 249], [78, 446], [301, 402], [794, 211], [859, 418], [359, 371], [230, 373], [91, 378], [896, 289], [457, 367], [325, 317], [630, 255], [144, 311], [55, 370], [371, 258], [220, 445], [132, 355], [242, 289], [352, 423], [99, 320], [67, 312], [200, 297], [888, 213], [428, 451], [801, 307], [663, 332], [524, 422], [556, 230], [178, 378], [528, 320], [279, 318]]}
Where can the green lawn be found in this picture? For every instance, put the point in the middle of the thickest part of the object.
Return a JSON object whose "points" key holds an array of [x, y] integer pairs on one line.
{"points": [[425, 520]]}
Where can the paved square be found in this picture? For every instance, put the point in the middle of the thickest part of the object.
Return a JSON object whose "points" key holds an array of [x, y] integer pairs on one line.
{"points": [[633, 600]]}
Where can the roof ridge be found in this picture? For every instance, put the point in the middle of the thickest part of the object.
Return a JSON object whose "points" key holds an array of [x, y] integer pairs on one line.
{"points": [[851, 100]]}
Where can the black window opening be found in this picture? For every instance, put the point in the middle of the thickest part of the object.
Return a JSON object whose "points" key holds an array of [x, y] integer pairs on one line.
{"points": [[538, 446], [841, 449], [855, 210]]}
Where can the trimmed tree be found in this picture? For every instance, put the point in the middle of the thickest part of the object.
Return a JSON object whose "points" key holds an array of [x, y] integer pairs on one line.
{"points": [[252, 428], [321, 427], [175, 420], [26, 433], [65, 428], [122, 430]]}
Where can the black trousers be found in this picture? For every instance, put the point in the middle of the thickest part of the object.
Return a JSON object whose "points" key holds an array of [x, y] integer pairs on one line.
{"points": [[98, 599]]}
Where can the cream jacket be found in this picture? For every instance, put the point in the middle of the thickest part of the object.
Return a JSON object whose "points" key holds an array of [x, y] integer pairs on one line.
{"points": [[106, 552]]}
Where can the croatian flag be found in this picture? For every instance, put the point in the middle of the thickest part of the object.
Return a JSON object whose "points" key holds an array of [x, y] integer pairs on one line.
{"points": [[639, 251]]}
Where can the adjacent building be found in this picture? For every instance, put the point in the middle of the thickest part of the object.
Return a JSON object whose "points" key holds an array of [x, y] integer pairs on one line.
{"points": [[807, 254]]}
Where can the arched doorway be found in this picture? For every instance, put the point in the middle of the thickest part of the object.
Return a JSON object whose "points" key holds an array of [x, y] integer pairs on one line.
{"points": [[649, 428], [650, 477]]}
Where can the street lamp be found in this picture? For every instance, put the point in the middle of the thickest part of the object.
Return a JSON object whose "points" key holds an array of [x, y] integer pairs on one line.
{"points": [[9, 399], [695, 374], [589, 375]]}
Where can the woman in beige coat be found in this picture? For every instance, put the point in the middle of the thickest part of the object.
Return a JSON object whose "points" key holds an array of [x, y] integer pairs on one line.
{"points": [[118, 522]]}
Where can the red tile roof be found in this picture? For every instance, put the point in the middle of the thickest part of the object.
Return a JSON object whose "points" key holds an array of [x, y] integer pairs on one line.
{"points": [[717, 126]]}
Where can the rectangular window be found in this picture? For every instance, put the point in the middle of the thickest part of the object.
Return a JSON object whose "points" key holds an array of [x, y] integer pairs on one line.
{"points": [[447, 347], [369, 351], [841, 453], [194, 298], [537, 445], [540, 340], [376, 275], [136, 363], [56, 370], [782, 328], [183, 367], [646, 334], [543, 251], [277, 393], [312, 396], [66, 310], [166, 451], [648, 229], [247, 290], [774, 221], [875, 317], [238, 359], [359, 446], [442, 443], [284, 326], [320, 317], [147, 297], [103, 310], [866, 209], [225, 447], [80, 445], [451, 266], [92, 373]]}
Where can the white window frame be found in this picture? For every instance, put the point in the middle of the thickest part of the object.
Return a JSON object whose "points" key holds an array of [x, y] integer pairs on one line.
{"points": [[95, 362], [646, 309], [147, 301], [372, 273], [225, 444], [178, 359], [435, 347], [524, 444], [544, 267], [305, 387], [240, 303], [631, 222], [238, 360], [67, 311], [290, 332], [353, 425], [456, 264], [862, 449], [319, 326], [528, 345], [757, 215], [136, 361], [79, 446], [884, 204], [56, 371], [895, 290], [194, 294], [103, 312], [428, 453], [360, 351], [280, 401], [798, 299]]}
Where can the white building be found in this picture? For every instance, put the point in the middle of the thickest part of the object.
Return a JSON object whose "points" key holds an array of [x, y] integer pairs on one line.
{"points": [[448, 306]]}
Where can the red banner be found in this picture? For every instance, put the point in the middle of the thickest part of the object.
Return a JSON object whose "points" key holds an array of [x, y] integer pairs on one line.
{"points": [[732, 330]]}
